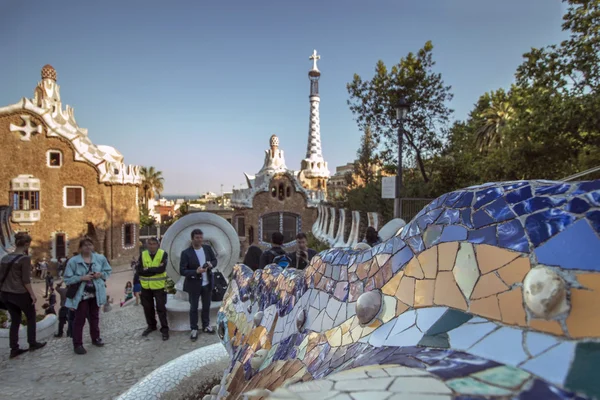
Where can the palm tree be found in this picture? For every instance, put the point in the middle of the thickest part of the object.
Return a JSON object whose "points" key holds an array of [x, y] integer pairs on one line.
{"points": [[152, 182], [496, 117]]}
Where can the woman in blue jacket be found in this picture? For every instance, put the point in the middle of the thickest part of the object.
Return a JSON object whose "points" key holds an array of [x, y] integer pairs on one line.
{"points": [[88, 271]]}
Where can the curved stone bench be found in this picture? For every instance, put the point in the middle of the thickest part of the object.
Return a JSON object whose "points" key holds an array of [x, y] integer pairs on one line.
{"points": [[204, 364], [45, 329], [178, 312]]}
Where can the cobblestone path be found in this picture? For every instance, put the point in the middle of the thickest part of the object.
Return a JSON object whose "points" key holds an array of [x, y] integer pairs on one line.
{"points": [[55, 372]]}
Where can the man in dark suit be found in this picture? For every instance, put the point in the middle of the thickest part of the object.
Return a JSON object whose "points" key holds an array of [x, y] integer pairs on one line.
{"points": [[302, 256], [196, 265]]}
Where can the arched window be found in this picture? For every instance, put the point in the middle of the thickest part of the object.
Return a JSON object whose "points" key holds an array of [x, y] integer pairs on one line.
{"points": [[288, 192], [286, 223], [281, 192], [273, 191]]}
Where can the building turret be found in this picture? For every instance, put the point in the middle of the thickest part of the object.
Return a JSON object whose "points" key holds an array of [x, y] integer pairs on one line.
{"points": [[314, 172]]}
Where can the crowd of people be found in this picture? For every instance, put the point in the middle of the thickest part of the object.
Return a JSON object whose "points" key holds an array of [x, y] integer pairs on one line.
{"points": [[82, 289]]}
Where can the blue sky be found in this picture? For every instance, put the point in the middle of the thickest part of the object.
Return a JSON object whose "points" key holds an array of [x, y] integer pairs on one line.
{"points": [[197, 88]]}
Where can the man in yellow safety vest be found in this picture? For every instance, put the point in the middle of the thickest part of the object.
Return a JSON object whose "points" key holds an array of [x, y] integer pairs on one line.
{"points": [[152, 270]]}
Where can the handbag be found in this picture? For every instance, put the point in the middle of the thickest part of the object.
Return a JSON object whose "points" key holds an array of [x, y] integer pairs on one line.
{"points": [[10, 264], [73, 288]]}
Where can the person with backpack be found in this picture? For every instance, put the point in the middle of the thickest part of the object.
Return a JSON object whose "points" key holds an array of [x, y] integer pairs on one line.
{"points": [[300, 259], [276, 250], [17, 294]]}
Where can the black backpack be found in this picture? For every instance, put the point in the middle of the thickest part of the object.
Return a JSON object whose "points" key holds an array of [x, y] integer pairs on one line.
{"points": [[220, 286]]}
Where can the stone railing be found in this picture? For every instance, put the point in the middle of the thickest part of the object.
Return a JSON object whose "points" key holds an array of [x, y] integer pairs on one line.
{"points": [[339, 227], [7, 235]]}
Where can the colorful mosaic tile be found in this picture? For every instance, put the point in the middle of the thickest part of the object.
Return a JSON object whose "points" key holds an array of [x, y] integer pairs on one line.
{"points": [[489, 292]]}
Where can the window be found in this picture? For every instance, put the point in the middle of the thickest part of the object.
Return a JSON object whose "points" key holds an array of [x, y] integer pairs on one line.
{"points": [[54, 159], [25, 201], [290, 227], [241, 226], [251, 235], [73, 197], [60, 246], [288, 192], [270, 224], [128, 235], [281, 193], [273, 191], [286, 223]]}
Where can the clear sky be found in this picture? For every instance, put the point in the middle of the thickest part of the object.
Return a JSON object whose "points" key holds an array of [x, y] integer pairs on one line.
{"points": [[196, 88]]}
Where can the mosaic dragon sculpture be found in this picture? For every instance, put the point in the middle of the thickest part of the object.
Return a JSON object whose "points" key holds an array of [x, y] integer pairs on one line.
{"points": [[491, 292]]}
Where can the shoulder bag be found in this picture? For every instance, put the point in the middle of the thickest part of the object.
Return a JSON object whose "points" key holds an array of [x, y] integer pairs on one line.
{"points": [[10, 264]]}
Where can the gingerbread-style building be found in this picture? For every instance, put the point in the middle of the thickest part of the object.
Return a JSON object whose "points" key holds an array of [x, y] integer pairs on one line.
{"points": [[59, 185], [280, 199]]}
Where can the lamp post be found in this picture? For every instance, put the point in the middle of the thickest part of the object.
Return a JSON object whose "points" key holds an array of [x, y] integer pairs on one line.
{"points": [[402, 107]]}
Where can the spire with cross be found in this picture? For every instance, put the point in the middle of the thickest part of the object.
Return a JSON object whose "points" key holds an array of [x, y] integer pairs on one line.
{"points": [[314, 57]]}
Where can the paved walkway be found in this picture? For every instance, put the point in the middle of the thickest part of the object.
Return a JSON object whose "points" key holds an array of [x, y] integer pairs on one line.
{"points": [[55, 372]]}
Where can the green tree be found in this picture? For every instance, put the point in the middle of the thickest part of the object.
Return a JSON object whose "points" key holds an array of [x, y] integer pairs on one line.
{"points": [[372, 103], [495, 119], [152, 183], [365, 166], [145, 218], [184, 209]]}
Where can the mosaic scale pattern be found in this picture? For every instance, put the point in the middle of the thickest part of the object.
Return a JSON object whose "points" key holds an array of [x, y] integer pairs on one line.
{"points": [[490, 292]]}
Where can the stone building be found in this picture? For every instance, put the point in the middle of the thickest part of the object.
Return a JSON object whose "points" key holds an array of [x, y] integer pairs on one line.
{"points": [[280, 199], [59, 185]]}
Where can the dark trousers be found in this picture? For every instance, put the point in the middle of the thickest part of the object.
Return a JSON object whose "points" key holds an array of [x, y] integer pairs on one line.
{"points": [[87, 309], [196, 293], [65, 316], [18, 303], [148, 296]]}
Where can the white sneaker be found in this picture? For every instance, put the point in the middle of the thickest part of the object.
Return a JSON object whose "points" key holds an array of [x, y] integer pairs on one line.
{"points": [[194, 335]]}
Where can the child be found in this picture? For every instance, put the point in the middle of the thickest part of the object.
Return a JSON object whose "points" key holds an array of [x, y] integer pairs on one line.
{"points": [[108, 304], [128, 292]]}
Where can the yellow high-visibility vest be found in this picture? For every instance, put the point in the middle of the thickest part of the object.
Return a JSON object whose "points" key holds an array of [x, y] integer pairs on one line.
{"points": [[157, 281]]}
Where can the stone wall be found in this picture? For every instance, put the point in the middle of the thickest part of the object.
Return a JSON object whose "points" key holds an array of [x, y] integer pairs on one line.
{"points": [[106, 207]]}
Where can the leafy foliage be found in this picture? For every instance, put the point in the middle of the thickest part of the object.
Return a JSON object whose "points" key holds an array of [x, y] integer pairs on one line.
{"points": [[145, 218], [372, 103], [152, 183]]}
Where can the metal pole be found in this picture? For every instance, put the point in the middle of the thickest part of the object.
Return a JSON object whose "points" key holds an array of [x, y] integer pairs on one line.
{"points": [[397, 200]]}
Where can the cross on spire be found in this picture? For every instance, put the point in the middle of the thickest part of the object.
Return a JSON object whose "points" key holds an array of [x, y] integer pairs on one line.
{"points": [[314, 59]]}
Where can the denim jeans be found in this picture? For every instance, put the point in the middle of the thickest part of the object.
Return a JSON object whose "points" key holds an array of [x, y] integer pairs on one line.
{"points": [[18, 303]]}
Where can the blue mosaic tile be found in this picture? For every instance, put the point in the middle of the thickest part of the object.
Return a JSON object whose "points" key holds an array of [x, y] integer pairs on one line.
{"points": [[436, 203], [499, 210], [486, 196], [552, 189], [400, 259], [453, 233], [483, 235], [412, 229], [594, 218], [515, 185], [453, 198], [481, 218], [593, 198], [511, 235], [577, 247], [536, 204], [517, 196], [542, 226], [588, 186], [428, 218], [416, 243], [577, 206], [465, 201], [432, 235], [399, 244], [449, 216], [465, 218]]}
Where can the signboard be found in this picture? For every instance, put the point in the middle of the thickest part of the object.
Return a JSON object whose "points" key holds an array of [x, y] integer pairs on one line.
{"points": [[388, 187]]}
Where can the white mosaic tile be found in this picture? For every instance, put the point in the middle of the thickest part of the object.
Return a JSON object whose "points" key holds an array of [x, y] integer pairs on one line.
{"points": [[537, 343], [554, 364], [404, 321], [409, 337], [379, 336], [503, 346], [467, 335], [341, 316], [426, 317]]}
